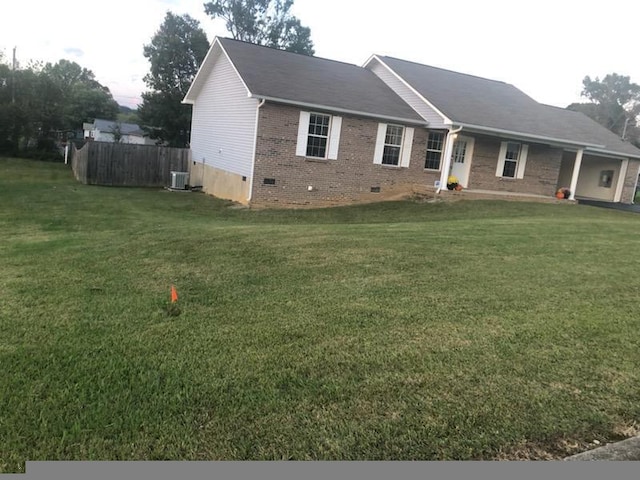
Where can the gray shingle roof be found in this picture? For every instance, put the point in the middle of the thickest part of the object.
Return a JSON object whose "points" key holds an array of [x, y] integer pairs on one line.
{"points": [[107, 126], [295, 78], [471, 100]]}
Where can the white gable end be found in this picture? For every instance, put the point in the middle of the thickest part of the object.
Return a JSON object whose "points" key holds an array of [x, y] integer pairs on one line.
{"points": [[435, 119], [224, 121]]}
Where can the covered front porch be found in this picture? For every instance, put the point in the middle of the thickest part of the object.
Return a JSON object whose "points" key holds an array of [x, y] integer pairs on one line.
{"points": [[592, 176]]}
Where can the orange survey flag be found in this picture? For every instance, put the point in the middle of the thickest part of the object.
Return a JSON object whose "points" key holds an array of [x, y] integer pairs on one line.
{"points": [[174, 294]]}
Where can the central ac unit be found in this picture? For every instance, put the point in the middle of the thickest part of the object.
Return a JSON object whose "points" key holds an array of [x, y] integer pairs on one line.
{"points": [[179, 180]]}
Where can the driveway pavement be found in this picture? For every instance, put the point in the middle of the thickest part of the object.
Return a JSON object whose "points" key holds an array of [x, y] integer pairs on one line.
{"points": [[616, 206], [628, 449]]}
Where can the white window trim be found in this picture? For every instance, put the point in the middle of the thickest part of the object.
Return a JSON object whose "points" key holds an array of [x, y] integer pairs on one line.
{"points": [[520, 165], [405, 147], [333, 140]]}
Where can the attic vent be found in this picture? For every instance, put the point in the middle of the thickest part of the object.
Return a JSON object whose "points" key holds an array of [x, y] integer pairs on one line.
{"points": [[179, 180]]}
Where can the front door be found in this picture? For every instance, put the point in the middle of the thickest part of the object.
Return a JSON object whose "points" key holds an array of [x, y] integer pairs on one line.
{"points": [[461, 159]]}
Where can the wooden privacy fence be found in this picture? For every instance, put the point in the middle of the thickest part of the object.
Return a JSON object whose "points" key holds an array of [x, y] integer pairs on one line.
{"points": [[122, 164]]}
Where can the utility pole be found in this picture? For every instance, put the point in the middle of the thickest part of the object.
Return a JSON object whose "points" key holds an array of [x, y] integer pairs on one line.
{"points": [[13, 77], [624, 130]]}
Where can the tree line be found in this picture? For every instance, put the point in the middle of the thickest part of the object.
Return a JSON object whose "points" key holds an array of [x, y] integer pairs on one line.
{"points": [[613, 102], [41, 104]]}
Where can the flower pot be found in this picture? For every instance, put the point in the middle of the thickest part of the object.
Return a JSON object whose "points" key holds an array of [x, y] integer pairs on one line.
{"points": [[560, 195], [451, 186], [458, 187]]}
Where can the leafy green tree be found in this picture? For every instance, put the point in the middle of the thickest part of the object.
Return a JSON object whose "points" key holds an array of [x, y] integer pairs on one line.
{"points": [[263, 22], [128, 115], [116, 131], [176, 52], [80, 97], [22, 109], [614, 102], [40, 104]]}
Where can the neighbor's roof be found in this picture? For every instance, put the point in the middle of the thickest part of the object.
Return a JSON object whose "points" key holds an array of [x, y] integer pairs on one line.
{"points": [[307, 81], [107, 126], [501, 107]]}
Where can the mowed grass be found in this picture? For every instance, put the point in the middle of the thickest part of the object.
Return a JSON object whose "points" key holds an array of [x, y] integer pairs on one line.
{"points": [[406, 330]]}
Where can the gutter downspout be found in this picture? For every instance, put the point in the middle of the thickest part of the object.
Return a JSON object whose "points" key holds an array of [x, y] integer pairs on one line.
{"points": [[255, 144], [446, 166]]}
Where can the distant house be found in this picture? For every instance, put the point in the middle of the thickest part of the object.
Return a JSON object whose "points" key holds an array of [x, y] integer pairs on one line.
{"points": [[104, 131], [276, 128]]}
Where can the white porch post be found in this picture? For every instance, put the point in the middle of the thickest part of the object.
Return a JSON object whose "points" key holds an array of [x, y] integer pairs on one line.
{"points": [[446, 161], [576, 173], [620, 185]]}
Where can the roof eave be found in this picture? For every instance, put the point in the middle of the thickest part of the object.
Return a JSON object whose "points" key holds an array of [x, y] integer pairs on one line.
{"points": [[188, 100], [612, 153], [418, 122], [192, 93], [531, 136]]}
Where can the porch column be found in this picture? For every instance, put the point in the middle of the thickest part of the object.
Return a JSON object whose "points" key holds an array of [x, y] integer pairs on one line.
{"points": [[576, 173], [620, 185], [446, 161]]}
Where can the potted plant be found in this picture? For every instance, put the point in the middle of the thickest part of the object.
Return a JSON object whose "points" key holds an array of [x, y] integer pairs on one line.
{"points": [[563, 193], [452, 182]]}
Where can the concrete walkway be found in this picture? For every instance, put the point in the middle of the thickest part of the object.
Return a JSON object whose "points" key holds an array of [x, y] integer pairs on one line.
{"points": [[628, 449]]}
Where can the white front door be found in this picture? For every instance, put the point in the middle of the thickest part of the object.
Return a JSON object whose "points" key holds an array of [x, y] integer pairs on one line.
{"points": [[461, 159]]}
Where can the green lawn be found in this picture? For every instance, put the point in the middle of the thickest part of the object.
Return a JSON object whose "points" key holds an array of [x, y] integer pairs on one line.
{"points": [[407, 330]]}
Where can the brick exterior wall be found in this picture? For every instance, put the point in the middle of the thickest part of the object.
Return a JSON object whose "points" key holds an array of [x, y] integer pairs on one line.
{"points": [[347, 180], [540, 176]]}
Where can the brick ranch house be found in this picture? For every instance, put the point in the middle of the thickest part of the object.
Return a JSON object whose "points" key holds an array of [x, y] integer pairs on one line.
{"points": [[276, 128]]}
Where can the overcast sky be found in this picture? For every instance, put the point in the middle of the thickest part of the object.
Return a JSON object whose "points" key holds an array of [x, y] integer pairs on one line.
{"points": [[543, 47]]}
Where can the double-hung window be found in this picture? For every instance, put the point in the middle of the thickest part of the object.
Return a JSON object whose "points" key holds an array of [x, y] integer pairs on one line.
{"points": [[393, 145], [435, 145], [318, 135], [512, 160]]}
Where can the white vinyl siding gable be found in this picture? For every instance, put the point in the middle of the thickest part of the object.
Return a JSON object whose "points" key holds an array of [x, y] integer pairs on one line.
{"points": [[434, 119], [332, 144], [520, 161], [224, 121]]}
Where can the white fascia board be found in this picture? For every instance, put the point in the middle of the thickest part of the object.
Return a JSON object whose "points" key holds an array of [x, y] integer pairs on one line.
{"points": [[446, 120], [607, 154], [207, 59], [327, 108], [369, 60], [196, 80], [529, 136]]}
